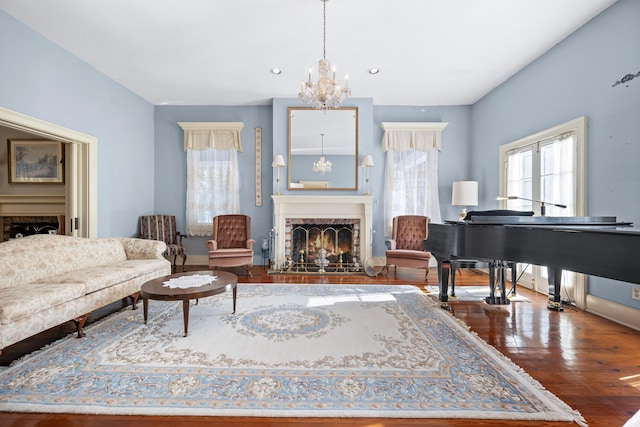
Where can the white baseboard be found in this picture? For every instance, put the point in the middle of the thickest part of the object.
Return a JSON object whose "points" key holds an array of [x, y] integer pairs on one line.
{"points": [[615, 312], [197, 260]]}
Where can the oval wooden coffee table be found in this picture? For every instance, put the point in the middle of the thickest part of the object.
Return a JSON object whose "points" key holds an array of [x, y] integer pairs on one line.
{"points": [[155, 290]]}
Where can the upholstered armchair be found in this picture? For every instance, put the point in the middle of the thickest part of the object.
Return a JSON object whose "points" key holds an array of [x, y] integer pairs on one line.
{"points": [[231, 244], [405, 249], [163, 227]]}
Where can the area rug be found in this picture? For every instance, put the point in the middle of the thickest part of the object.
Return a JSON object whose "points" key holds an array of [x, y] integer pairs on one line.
{"points": [[290, 350], [473, 293]]}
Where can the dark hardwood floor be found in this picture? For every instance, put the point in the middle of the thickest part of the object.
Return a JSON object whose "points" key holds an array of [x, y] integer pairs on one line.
{"points": [[590, 363]]}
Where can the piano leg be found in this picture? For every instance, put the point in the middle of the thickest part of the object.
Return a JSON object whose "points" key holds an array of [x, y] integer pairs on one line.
{"points": [[514, 277], [444, 269], [497, 278], [555, 280]]}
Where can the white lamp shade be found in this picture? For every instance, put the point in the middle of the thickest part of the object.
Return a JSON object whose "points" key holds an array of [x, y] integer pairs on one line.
{"points": [[465, 193], [278, 161], [367, 161]]}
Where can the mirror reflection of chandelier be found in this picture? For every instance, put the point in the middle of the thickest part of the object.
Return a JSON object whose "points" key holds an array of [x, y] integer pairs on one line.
{"points": [[326, 92], [322, 165]]}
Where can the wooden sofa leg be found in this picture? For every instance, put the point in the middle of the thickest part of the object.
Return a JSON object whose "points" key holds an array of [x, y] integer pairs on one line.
{"points": [[80, 321], [134, 300], [249, 271]]}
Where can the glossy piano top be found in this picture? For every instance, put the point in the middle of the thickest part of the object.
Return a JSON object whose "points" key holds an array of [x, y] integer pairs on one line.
{"points": [[571, 223]]}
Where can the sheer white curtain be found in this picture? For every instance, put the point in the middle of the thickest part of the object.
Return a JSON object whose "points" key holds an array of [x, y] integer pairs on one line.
{"points": [[544, 170], [558, 173], [411, 175], [213, 182]]}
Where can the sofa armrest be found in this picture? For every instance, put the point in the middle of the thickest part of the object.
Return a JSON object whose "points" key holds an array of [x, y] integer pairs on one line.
{"points": [[250, 243], [212, 245], [143, 248]]}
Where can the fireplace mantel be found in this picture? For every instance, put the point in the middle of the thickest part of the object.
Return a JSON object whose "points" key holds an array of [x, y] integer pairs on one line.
{"points": [[331, 207]]}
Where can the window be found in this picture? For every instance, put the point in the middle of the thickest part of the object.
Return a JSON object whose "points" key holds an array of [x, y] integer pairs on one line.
{"points": [[212, 188], [213, 182], [411, 174], [544, 171], [411, 185], [547, 167]]}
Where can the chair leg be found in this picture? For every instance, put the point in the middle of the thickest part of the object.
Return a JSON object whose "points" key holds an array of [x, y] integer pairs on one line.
{"points": [[184, 259]]}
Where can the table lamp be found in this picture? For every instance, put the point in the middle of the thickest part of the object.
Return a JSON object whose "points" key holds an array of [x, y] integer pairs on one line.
{"points": [[465, 193]]}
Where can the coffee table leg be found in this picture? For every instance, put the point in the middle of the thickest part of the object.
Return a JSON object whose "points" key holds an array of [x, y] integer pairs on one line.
{"points": [[185, 314], [145, 305], [235, 292]]}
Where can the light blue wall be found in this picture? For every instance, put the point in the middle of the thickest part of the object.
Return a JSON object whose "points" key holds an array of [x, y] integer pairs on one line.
{"points": [[171, 166], [142, 165], [40, 79], [574, 79]]}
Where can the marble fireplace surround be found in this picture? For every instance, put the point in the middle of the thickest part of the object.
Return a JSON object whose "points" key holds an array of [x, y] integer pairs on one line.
{"points": [[329, 207]]}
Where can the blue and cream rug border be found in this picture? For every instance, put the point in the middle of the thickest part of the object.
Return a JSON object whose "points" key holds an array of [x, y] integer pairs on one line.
{"points": [[289, 351]]}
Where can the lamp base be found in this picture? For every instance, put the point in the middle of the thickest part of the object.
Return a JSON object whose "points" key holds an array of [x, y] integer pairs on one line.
{"points": [[463, 214]]}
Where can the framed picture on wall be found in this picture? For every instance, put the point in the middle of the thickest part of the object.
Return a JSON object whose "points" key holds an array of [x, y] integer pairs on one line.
{"points": [[35, 162]]}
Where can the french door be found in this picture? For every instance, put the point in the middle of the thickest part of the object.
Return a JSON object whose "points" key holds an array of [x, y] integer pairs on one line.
{"points": [[546, 170]]}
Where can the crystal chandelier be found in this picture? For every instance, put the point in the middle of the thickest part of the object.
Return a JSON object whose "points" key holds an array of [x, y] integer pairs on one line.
{"points": [[326, 92], [322, 165]]}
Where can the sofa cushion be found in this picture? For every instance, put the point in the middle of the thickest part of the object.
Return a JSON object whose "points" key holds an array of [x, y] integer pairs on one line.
{"points": [[104, 276], [18, 302]]}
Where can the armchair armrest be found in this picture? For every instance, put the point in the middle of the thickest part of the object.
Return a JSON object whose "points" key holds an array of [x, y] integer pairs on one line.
{"points": [[212, 245], [391, 244], [250, 243], [179, 237]]}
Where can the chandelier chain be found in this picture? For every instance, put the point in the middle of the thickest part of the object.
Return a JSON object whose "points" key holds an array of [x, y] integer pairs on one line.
{"points": [[324, 29]]}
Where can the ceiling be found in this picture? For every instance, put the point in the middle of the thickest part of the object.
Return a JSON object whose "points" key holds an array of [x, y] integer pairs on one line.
{"points": [[220, 52]]}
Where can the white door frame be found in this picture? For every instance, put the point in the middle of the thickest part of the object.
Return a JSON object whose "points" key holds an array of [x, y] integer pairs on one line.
{"points": [[82, 200]]}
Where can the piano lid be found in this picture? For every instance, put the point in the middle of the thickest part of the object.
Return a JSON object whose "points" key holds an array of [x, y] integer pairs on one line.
{"points": [[549, 220]]}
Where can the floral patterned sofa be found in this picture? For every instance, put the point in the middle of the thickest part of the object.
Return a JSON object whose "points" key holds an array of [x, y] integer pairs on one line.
{"points": [[47, 280]]}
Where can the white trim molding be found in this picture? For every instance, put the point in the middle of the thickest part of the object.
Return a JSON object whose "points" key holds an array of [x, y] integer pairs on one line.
{"points": [[613, 311], [85, 182]]}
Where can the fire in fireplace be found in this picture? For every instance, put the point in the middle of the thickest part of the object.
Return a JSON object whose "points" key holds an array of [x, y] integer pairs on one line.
{"points": [[321, 245]]}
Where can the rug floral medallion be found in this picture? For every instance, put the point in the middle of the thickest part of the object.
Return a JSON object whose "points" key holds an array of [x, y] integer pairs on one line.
{"points": [[290, 350]]}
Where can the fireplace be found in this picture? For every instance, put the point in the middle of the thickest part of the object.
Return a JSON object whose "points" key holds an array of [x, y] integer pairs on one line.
{"points": [[21, 226], [322, 245], [322, 233]]}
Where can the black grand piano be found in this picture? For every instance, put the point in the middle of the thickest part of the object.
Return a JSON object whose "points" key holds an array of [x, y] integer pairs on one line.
{"points": [[598, 246]]}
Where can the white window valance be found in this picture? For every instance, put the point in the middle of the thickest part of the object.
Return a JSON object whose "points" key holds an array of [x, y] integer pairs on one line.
{"points": [[419, 136], [219, 135]]}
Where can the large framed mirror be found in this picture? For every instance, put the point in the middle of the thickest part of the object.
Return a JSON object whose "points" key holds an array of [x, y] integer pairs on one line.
{"points": [[323, 137]]}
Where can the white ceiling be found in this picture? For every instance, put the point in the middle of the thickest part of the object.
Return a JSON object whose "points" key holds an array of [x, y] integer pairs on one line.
{"points": [[220, 52]]}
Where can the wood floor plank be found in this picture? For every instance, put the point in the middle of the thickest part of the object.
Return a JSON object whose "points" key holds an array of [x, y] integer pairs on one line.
{"points": [[590, 363]]}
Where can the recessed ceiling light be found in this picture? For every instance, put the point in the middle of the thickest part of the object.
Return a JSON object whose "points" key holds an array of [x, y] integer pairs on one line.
{"points": [[276, 71], [374, 70]]}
